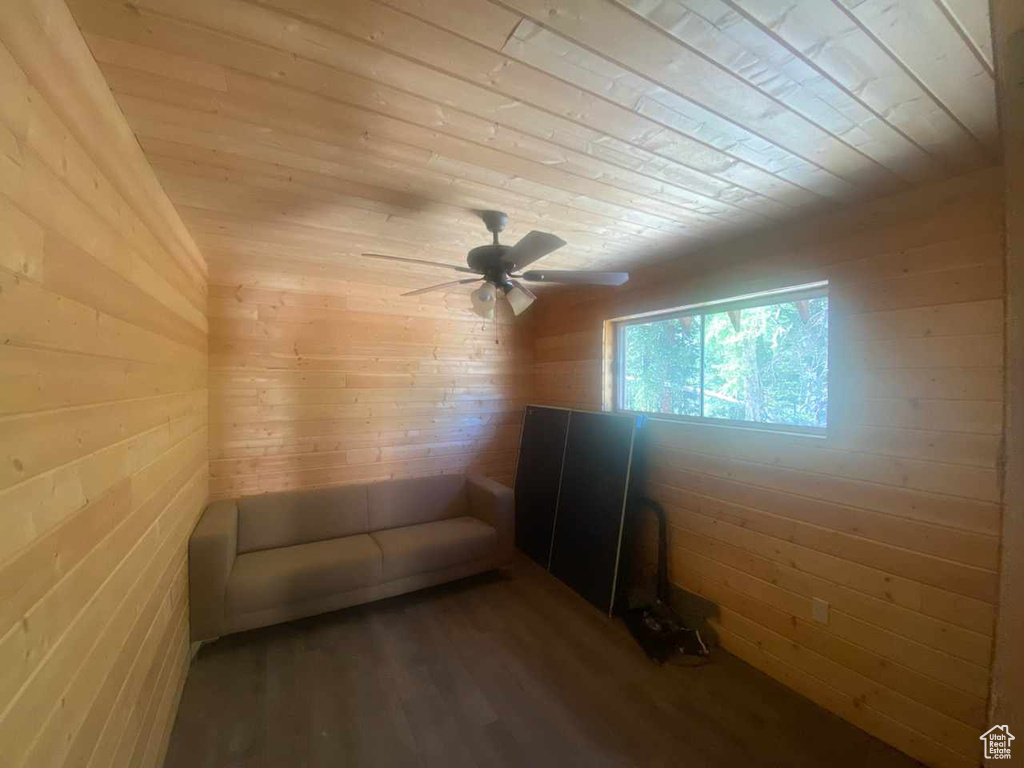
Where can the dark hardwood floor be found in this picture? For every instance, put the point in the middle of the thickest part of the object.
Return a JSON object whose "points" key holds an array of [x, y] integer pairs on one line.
{"points": [[498, 670]]}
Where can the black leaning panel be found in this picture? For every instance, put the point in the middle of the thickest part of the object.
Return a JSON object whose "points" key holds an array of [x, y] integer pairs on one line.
{"points": [[590, 508], [537, 477]]}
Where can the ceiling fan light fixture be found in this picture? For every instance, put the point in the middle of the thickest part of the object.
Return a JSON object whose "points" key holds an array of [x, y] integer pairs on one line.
{"points": [[484, 300], [519, 299]]}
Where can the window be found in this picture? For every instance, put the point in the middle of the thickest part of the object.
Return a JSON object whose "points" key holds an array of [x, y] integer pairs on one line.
{"points": [[756, 359]]}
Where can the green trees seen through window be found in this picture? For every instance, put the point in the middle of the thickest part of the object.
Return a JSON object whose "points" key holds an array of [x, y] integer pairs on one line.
{"points": [[765, 364]]}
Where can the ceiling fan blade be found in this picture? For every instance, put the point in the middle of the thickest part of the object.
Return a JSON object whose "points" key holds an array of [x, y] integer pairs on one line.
{"points": [[579, 278], [519, 297], [421, 261], [443, 285], [533, 246]]}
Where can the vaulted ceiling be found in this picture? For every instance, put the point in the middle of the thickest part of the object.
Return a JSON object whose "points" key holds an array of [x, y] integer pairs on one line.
{"points": [[634, 129]]}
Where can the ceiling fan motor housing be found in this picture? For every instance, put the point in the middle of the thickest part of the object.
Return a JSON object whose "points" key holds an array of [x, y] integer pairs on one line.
{"points": [[486, 259]]}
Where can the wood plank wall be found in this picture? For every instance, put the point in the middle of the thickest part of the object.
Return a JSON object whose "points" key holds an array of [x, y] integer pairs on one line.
{"points": [[1006, 703], [322, 374], [103, 411], [894, 519]]}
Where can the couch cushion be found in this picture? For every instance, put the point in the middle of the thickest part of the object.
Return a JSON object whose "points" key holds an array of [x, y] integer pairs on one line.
{"points": [[276, 577], [299, 517], [432, 546], [397, 503]]}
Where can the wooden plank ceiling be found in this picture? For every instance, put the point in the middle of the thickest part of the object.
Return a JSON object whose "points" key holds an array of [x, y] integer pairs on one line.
{"points": [[634, 129]]}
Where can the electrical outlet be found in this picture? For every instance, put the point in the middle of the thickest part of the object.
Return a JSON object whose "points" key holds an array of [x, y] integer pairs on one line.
{"points": [[819, 611]]}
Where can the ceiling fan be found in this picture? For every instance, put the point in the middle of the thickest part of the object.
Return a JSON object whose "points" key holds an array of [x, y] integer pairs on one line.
{"points": [[495, 265]]}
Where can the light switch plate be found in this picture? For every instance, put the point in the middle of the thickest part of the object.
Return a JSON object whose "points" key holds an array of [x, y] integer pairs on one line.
{"points": [[819, 611]]}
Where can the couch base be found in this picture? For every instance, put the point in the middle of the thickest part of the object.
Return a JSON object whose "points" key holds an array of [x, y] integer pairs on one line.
{"points": [[255, 619]]}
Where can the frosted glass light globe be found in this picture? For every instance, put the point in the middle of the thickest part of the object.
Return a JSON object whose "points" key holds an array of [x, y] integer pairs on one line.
{"points": [[484, 299]]}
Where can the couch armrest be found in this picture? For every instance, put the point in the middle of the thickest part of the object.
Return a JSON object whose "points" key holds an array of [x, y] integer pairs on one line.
{"points": [[211, 555], [494, 504]]}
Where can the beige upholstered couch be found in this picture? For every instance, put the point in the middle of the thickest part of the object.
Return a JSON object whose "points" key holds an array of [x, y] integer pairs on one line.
{"points": [[267, 559]]}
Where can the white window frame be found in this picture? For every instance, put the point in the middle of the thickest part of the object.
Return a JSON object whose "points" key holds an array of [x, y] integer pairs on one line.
{"points": [[748, 301]]}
